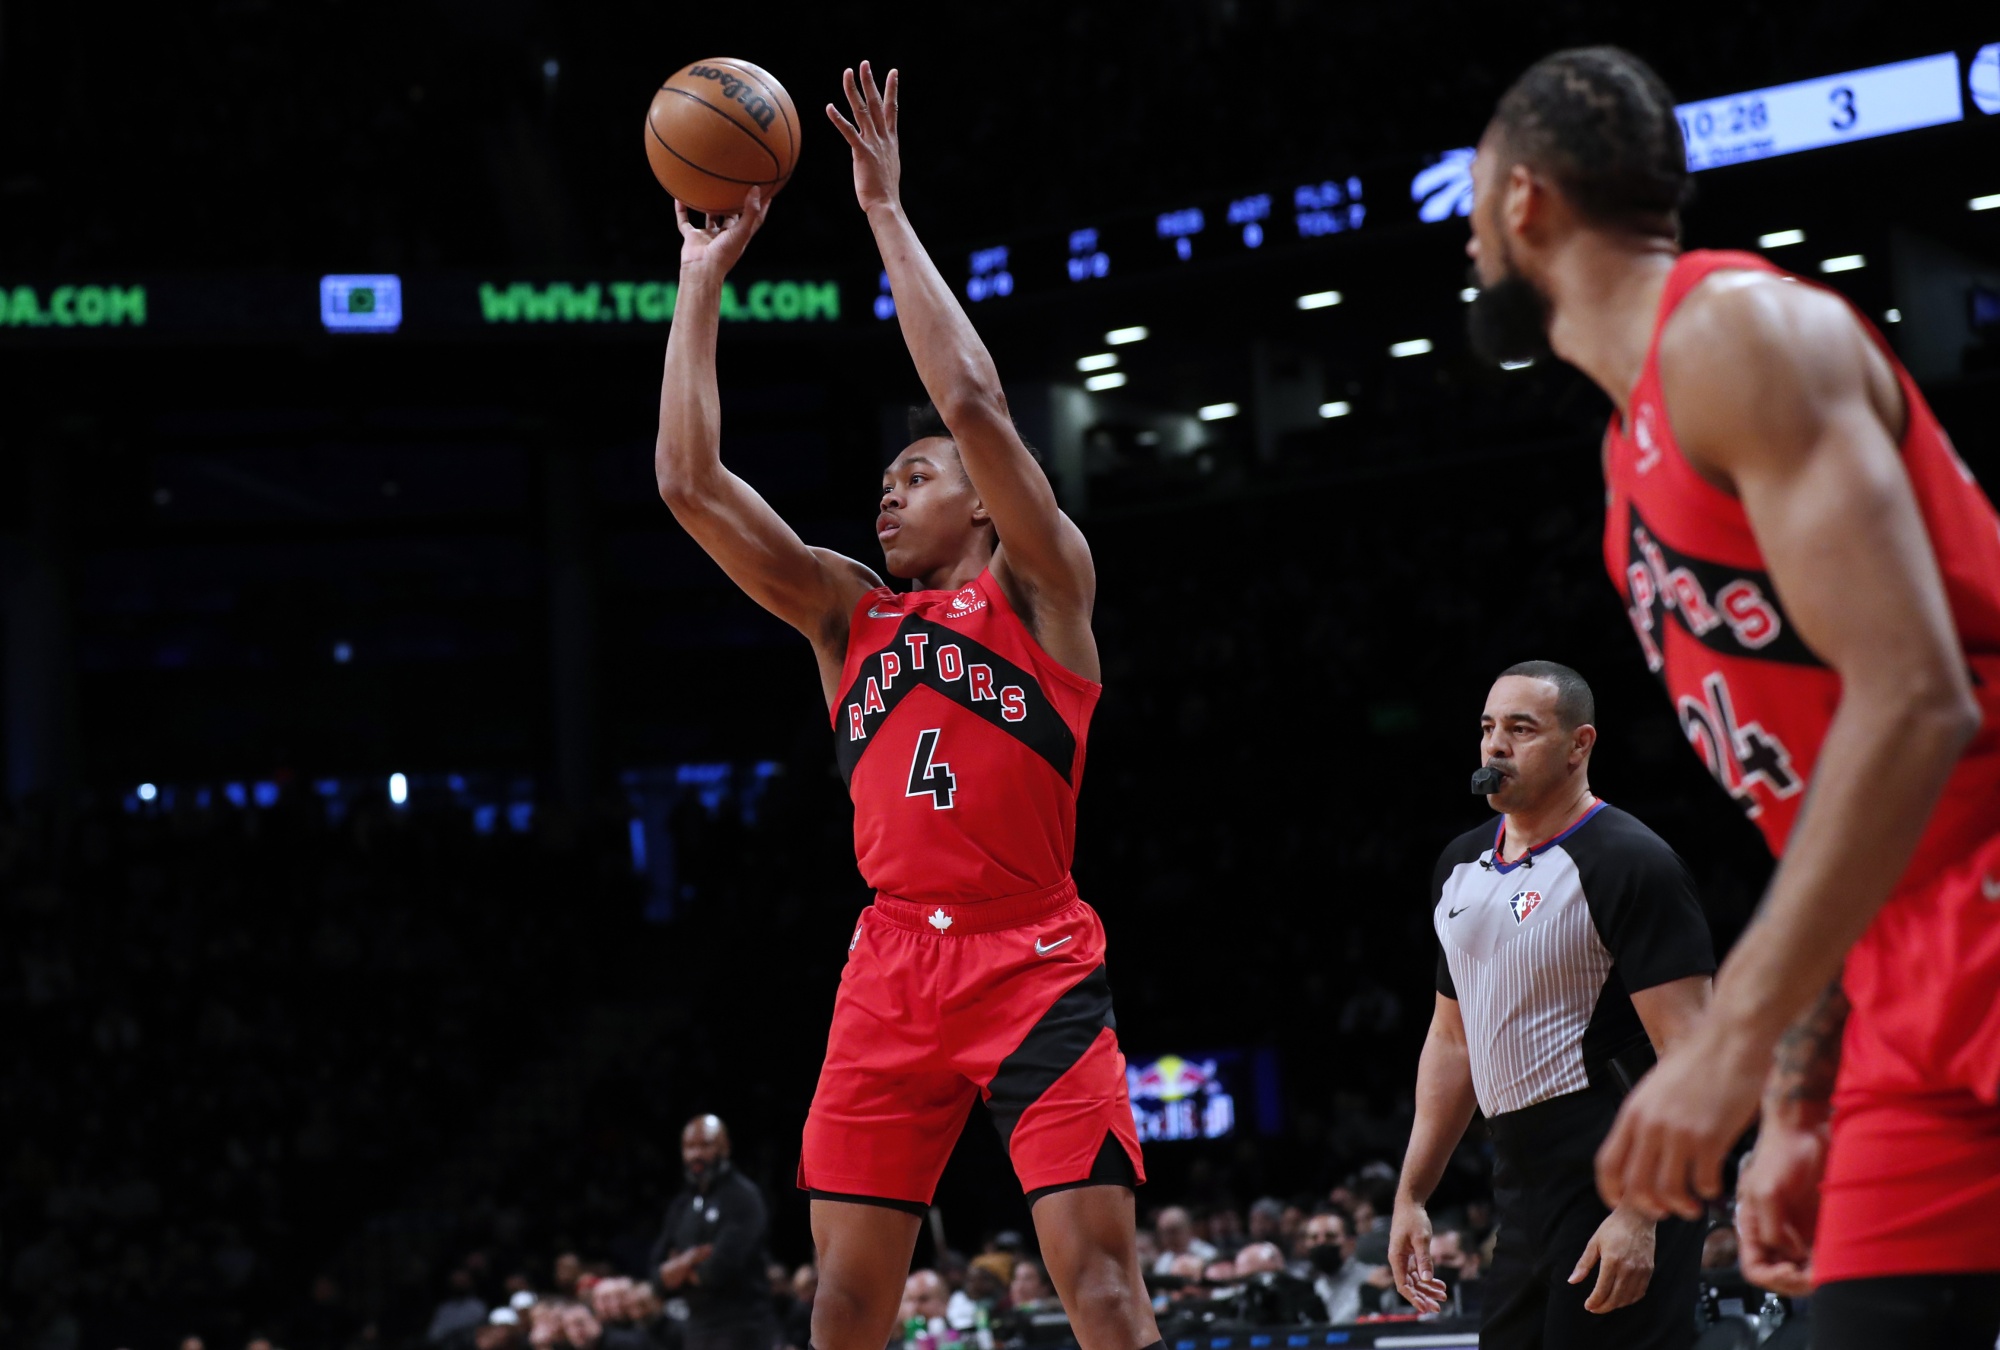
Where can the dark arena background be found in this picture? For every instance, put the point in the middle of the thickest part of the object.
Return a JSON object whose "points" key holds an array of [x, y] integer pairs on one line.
{"points": [[409, 829]]}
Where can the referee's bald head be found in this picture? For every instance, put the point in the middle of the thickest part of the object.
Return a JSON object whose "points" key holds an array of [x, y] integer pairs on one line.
{"points": [[1576, 706]]}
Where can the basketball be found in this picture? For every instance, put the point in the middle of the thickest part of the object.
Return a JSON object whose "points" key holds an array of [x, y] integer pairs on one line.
{"points": [[717, 129]]}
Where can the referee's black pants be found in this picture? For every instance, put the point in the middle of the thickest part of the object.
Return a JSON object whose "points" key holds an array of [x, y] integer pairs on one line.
{"points": [[1545, 1202]]}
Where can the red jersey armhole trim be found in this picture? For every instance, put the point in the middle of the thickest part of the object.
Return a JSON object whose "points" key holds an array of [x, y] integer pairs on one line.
{"points": [[850, 664], [1056, 667]]}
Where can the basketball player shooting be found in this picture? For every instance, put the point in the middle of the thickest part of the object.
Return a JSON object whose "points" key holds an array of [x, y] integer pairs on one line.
{"points": [[960, 711], [1815, 577]]}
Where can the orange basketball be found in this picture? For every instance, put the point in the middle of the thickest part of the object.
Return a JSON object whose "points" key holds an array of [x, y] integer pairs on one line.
{"points": [[717, 129]]}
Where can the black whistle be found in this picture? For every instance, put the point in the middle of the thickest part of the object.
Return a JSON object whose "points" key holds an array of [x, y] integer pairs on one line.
{"points": [[1487, 781]]}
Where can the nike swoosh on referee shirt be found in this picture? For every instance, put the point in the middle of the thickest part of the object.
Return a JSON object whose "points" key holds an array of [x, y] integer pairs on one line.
{"points": [[1454, 913], [1040, 950]]}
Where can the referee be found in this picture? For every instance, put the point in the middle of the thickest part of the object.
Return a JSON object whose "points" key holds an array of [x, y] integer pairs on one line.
{"points": [[1572, 951]]}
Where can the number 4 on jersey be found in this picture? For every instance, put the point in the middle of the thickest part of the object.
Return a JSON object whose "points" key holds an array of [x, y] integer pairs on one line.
{"points": [[931, 778]]}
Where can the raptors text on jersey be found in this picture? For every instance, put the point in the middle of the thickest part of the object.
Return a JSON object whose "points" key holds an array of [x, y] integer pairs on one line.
{"points": [[962, 743], [1752, 698]]}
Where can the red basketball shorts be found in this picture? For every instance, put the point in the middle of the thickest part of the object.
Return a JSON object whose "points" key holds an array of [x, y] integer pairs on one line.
{"points": [[1006, 1000], [1913, 1175]]}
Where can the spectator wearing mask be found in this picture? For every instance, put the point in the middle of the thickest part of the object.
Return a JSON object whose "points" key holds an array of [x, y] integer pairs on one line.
{"points": [[1328, 1245], [710, 1250], [1455, 1261], [1176, 1233]]}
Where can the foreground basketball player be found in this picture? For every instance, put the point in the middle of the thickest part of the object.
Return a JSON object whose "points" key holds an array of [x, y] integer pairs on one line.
{"points": [[960, 711], [1816, 578]]}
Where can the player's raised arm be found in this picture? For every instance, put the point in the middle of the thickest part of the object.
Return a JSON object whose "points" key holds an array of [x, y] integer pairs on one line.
{"points": [[812, 589], [1042, 547], [1808, 448]]}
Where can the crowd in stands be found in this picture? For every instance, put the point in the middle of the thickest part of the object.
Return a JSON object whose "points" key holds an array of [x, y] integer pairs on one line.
{"points": [[1315, 1258]]}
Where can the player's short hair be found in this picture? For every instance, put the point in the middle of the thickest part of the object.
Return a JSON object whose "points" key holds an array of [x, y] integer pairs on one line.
{"points": [[1603, 125], [925, 422], [1575, 705]]}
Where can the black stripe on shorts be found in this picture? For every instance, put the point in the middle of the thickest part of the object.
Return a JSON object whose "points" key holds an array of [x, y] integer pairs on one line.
{"points": [[1051, 1049]]}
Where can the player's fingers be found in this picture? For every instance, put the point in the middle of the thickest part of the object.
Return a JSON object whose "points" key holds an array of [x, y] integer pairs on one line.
{"points": [[843, 126], [1673, 1183], [681, 216], [895, 83], [856, 105], [872, 92], [1708, 1171], [1586, 1261]]}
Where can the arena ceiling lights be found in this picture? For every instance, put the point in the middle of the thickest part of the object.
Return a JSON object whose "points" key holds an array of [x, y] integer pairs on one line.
{"points": [[1781, 238], [1118, 337], [1319, 300]]}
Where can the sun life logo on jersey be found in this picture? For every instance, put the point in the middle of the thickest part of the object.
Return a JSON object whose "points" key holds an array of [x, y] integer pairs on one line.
{"points": [[967, 601], [939, 920], [1523, 904]]}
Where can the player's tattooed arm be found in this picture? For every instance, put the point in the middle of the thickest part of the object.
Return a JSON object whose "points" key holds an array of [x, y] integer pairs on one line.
{"points": [[1800, 1085], [1040, 546]]}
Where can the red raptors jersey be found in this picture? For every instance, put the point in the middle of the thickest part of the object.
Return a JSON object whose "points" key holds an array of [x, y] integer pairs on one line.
{"points": [[962, 744], [1752, 697]]}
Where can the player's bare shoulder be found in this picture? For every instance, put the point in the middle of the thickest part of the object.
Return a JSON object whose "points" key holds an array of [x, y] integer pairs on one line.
{"points": [[1754, 362]]}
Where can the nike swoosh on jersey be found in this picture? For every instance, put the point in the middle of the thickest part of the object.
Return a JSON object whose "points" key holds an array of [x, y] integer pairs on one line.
{"points": [[1454, 913], [1040, 950]]}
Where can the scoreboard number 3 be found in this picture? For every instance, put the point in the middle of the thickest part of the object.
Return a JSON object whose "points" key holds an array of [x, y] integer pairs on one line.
{"points": [[929, 776]]}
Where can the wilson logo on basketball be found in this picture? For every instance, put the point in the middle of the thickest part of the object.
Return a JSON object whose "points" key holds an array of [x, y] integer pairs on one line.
{"points": [[760, 109], [1523, 904], [966, 602]]}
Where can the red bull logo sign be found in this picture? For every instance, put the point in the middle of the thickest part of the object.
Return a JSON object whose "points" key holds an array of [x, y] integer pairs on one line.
{"points": [[1175, 1098]]}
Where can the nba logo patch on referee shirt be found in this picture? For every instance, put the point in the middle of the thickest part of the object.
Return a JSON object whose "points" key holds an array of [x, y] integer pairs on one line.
{"points": [[1523, 904]]}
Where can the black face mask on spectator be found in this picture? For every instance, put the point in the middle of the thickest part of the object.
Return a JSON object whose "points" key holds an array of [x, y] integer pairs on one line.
{"points": [[1327, 1257]]}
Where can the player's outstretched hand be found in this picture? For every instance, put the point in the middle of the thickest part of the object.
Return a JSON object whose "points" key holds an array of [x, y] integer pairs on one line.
{"points": [[1777, 1207], [878, 155], [1665, 1154], [720, 241], [1410, 1258]]}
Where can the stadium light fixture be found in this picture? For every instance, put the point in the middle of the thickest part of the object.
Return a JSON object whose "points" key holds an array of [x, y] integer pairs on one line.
{"points": [[1990, 202], [1101, 361], [147, 792], [1215, 412], [1517, 365], [1469, 294], [399, 789], [1338, 408], [1118, 337], [1846, 262], [1781, 238], [1892, 316], [1097, 384], [1414, 347], [1318, 300]]}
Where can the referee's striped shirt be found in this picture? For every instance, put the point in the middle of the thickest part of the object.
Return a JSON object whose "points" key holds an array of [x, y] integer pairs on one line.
{"points": [[1543, 953]]}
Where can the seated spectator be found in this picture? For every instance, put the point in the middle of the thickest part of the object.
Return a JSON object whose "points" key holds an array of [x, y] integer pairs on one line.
{"points": [[1455, 1258], [1030, 1290], [925, 1298], [1267, 1221], [1225, 1231], [1175, 1230], [984, 1291], [796, 1332], [1328, 1246], [1259, 1258], [461, 1311]]}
